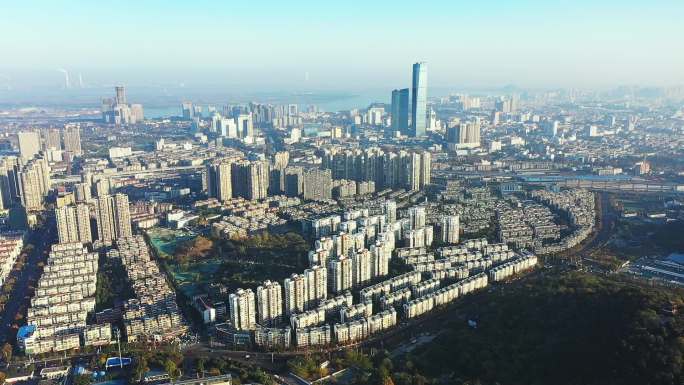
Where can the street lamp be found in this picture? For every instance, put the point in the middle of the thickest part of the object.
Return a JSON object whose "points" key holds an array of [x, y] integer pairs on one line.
{"points": [[117, 333]]}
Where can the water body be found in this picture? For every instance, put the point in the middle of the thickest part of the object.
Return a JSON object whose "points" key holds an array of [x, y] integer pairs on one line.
{"points": [[160, 102]]}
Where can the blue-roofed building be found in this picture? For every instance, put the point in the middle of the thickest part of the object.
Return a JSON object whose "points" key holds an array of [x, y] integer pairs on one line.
{"points": [[26, 337], [116, 362], [676, 258]]}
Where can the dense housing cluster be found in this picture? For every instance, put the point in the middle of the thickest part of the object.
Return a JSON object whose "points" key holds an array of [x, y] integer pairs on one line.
{"points": [[64, 296], [578, 207], [153, 313], [10, 248], [437, 278]]}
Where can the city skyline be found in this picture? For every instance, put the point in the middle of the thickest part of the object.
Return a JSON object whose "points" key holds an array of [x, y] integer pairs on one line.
{"points": [[531, 44]]}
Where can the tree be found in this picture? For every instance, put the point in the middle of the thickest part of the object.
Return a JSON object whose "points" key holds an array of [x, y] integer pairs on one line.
{"points": [[82, 379], [140, 369], [200, 366], [171, 369], [3, 377], [6, 352]]}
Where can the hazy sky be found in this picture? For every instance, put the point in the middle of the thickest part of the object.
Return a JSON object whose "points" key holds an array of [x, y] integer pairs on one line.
{"points": [[343, 44]]}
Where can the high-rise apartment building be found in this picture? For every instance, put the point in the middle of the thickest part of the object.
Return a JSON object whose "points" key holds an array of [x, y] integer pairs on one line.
{"points": [[82, 192], [72, 140], [389, 209], [317, 184], [219, 181], [73, 224], [469, 134], [281, 159], [250, 179], [317, 285], [450, 229], [245, 127], [294, 181], [400, 111], [425, 168], [381, 253], [242, 309], [9, 182], [296, 294], [53, 139], [113, 217], [419, 100], [32, 183], [413, 169], [361, 267], [29, 144], [269, 304], [417, 217], [340, 274], [391, 169], [5, 197]]}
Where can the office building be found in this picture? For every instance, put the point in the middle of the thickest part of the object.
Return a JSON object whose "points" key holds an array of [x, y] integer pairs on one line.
{"points": [[187, 110], [419, 100], [242, 309], [400, 111], [117, 111], [120, 94]]}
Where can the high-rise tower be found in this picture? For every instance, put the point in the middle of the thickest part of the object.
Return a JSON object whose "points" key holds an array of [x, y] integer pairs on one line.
{"points": [[419, 99], [400, 111], [120, 95]]}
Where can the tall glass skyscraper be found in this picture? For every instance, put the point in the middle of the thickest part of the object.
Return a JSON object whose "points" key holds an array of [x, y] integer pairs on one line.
{"points": [[400, 111], [419, 99]]}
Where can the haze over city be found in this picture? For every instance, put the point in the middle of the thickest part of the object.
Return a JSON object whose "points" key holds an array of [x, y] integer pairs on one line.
{"points": [[274, 45]]}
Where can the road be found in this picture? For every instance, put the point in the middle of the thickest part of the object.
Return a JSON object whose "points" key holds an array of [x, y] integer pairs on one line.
{"points": [[605, 224], [19, 298]]}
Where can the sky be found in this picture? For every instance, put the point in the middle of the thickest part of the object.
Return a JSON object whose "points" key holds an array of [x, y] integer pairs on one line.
{"points": [[342, 45]]}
